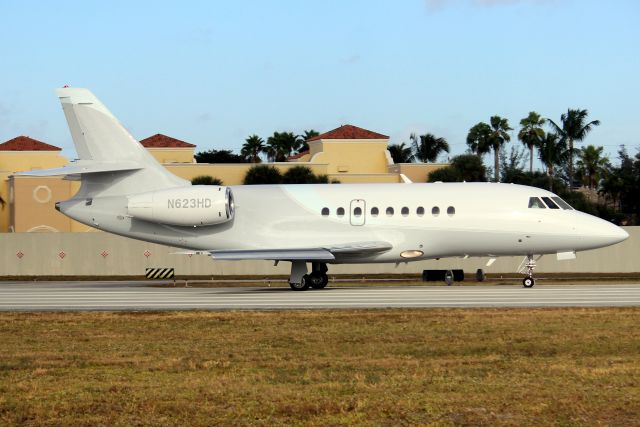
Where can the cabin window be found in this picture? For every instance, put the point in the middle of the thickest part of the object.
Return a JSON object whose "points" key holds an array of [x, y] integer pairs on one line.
{"points": [[357, 212], [535, 203], [451, 211], [374, 211], [435, 211], [547, 201], [340, 211], [389, 211], [405, 211], [564, 205], [420, 211], [325, 212]]}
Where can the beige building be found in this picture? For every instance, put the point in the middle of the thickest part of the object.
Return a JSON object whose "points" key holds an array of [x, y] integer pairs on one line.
{"points": [[348, 154]]}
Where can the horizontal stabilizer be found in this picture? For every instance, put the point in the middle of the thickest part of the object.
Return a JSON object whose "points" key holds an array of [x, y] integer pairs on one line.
{"points": [[85, 167]]}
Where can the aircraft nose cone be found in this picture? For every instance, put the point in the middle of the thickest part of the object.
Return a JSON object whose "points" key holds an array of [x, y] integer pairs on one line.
{"points": [[611, 233]]}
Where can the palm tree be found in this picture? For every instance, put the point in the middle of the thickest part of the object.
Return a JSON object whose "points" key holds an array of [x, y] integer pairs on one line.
{"points": [[252, 147], [308, 134], [531, 133], [262, 174], [428, 147], [592, 164], [574, 129], [553, 152], [282, 144], [206, 180], [400, 153], [498, 136], [478, 139]]}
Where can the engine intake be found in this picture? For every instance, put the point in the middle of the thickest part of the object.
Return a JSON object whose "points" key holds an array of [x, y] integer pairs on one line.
{"points": [[187, 206]]}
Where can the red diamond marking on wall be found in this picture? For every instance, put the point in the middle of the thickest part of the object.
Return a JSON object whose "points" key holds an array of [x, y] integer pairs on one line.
{"points": [[146, 253], [189, 255], [19, 254], [104, 254], [61, 254]]}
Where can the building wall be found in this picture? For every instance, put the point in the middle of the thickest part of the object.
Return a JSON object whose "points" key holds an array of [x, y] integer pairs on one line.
{"points": [[232, 173], [416, 172], [172, 155], [102, 254], [351, 156], [35, 211]]}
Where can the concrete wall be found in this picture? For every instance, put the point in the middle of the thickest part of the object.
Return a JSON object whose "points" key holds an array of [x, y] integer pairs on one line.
{"points": [[102, 254]]}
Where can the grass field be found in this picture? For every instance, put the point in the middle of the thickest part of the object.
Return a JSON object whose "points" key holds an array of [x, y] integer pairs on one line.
{"points": [[366, 367]]}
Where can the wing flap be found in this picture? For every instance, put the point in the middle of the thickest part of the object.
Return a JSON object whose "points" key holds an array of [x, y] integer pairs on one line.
{"points": [[315, 254], [325, 253]]}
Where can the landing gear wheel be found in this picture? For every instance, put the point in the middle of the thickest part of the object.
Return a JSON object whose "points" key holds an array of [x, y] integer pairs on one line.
{"points": [[317, 280], [528, 282], [448, 277], [302, 286]]}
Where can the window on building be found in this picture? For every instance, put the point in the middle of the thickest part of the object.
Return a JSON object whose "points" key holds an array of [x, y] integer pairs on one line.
{"points": [[340, 211], [389, 211], [435, 211], [325, 212], [420, 211]]}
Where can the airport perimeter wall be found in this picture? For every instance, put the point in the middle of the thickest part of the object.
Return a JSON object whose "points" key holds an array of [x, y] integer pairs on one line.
{"points": [[102, 254]]}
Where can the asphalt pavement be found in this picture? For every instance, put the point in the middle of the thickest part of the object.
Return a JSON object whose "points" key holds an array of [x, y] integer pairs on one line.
{"points": [[136, 296]]}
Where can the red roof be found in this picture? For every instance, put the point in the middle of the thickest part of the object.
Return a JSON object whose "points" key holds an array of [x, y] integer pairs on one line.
{"points": [[297, 156], [163, 141], [24, 143], [349, 132]]}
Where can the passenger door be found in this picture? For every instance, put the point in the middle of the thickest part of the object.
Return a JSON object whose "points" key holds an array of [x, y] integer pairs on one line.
{"points": [[358, 212]]}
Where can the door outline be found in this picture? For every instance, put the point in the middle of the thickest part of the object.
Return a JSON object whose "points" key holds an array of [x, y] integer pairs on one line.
{"points": [[357, 220]]}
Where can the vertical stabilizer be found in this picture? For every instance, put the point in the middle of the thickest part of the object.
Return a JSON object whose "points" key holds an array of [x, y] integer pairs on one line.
{"points": [[99, 137]]}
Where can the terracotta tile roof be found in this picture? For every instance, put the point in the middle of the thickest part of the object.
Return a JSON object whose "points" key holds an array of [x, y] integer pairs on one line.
{"points": [[163, 141], [349, 132], [297, 156], [24, 143]]}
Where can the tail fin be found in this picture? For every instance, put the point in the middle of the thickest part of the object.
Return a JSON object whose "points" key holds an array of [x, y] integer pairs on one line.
{"points": [[99, 137]]}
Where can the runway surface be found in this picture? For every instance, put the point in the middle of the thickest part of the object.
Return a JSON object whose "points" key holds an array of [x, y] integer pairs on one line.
{"points": [[136, 296]]}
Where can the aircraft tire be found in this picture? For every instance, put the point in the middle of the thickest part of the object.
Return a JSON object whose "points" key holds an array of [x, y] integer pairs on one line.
{"points": [[302, 286], [318, 280], [528, 282]]}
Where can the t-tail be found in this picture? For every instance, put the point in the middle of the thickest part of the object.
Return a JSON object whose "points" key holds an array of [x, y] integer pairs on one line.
{"points": [[111, 162]]}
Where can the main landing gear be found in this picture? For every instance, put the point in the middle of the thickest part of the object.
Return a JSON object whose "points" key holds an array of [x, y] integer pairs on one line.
{"points": [[527, 269], [301, 281]]}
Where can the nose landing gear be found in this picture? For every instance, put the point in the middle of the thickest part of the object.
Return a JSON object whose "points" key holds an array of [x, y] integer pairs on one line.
{"points": [[527, 267]]}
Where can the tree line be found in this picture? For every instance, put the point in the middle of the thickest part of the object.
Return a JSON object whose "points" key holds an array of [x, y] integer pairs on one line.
{"points": [[277, 148]]}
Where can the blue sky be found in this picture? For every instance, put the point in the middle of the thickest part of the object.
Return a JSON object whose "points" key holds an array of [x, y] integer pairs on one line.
{"points": [[212, 73]]}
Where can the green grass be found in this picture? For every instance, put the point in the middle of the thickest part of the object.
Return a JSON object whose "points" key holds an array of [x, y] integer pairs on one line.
{"points": [[364, 367]]}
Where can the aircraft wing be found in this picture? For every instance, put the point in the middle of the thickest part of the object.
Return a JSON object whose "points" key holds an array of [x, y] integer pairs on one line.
{"points": [[325, 253]]}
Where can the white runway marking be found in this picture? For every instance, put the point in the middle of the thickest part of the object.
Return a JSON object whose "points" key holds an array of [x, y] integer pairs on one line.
{"points": [[128, 296]]}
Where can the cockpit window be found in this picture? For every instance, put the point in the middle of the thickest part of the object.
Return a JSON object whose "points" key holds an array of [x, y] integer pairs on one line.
{"points": [[536, 203], [547, 201], [564, 205]]}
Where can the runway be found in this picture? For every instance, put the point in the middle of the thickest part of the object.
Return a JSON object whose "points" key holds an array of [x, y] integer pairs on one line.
{"points": [[137, 296]]}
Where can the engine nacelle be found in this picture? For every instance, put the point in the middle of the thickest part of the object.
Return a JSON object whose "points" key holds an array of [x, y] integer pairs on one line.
{"points": [[187, 206]]}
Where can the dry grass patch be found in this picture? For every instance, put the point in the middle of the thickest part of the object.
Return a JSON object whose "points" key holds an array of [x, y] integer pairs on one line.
{"points": [[365, 367]]}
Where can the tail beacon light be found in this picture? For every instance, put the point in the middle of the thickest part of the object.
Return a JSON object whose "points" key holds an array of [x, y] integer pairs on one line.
{"points": [[186, 206]]}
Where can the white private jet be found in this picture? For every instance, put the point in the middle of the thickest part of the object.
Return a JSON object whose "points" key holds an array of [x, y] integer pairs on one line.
{"points": [[125, 191]]}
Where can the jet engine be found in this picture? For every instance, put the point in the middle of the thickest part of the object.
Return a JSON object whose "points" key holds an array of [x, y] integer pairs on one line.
{"points": [[186, 206]]}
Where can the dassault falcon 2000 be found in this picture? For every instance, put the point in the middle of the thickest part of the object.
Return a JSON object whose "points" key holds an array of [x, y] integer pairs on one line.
{"points": [[125, 191]]}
